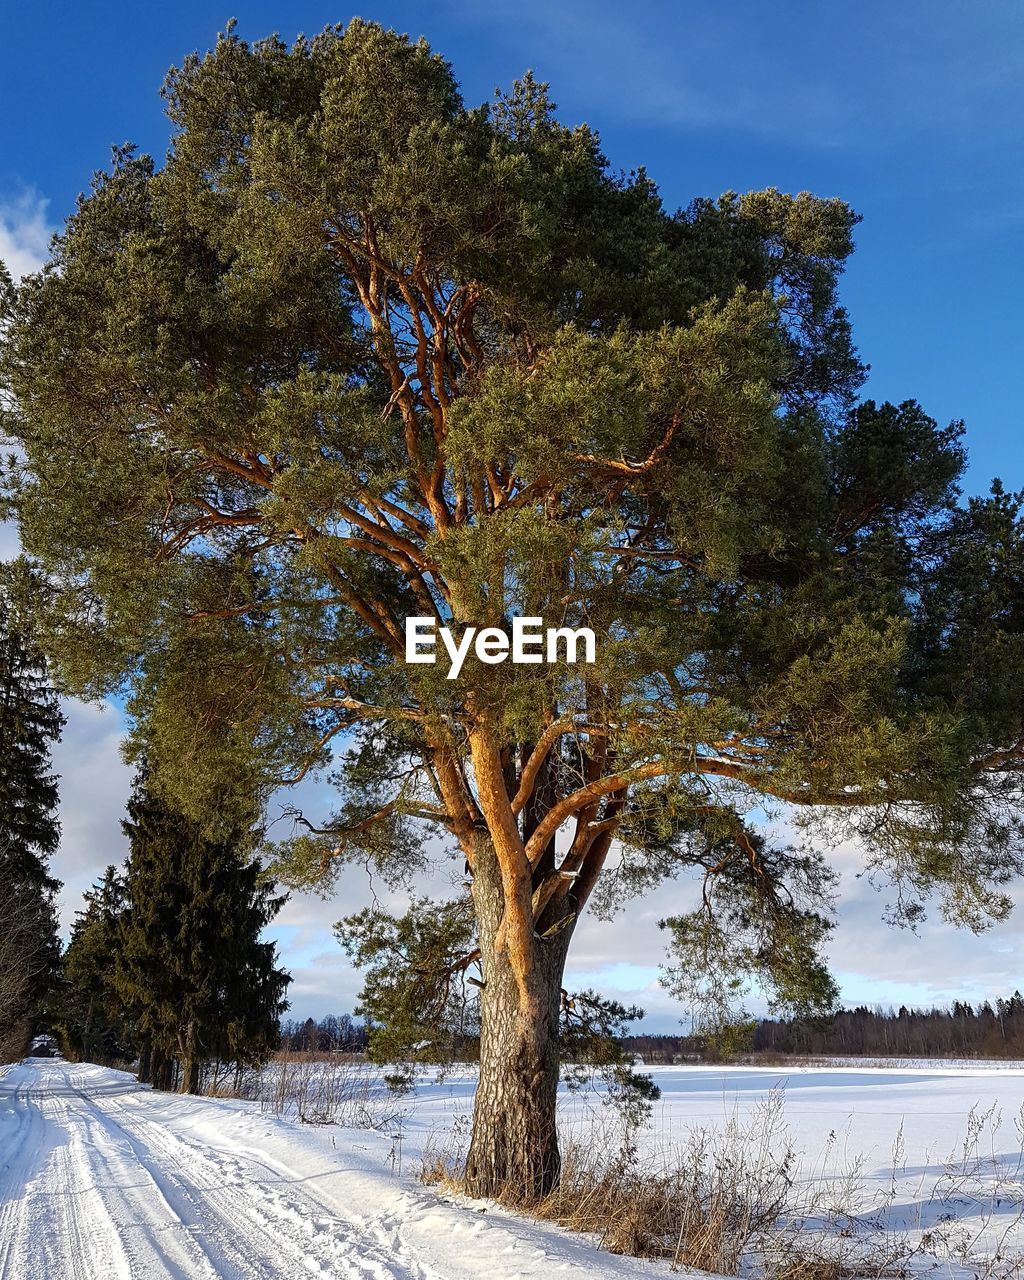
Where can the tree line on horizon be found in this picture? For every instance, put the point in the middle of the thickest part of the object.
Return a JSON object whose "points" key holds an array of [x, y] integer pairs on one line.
{"points": [[992, 1029], [333, 1033]]}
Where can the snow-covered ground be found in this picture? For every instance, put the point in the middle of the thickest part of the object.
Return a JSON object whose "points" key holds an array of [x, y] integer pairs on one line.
{"points": [[103, 1180], [929, 1155], [926, 1156], [100, 1178]]}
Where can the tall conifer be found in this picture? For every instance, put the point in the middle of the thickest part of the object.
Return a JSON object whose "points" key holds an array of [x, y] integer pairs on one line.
{"points": [[91, 1015], [197, 980], [30, 722]]}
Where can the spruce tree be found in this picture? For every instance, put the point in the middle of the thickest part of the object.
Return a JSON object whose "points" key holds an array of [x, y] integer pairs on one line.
{"points": [[196, 979], [30, 722], [353, 353], [90, 1015]]}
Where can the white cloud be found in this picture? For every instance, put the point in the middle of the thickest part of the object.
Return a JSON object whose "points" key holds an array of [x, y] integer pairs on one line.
{"points": [[9, 542], [24, 233], [937, 963], [94, 786]]}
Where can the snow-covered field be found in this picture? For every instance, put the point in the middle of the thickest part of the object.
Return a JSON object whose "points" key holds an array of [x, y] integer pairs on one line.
{"points": [[101, 1179]]}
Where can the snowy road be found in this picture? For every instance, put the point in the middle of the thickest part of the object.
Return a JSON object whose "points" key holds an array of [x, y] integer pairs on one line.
{"points": [[101, 1179]]}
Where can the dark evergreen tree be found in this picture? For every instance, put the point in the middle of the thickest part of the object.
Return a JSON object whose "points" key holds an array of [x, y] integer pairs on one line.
{"points": [[195, 978], [29, 962], [90, 1015], [30, 722]]}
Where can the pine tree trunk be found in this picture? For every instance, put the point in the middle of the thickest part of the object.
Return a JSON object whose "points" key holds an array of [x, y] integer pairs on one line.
{"points": [[145, 1066], [514, 1147]]}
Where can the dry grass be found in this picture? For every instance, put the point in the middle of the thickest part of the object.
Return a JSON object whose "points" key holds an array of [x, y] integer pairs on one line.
{"points": [[703, 1209], [727, 1202]]}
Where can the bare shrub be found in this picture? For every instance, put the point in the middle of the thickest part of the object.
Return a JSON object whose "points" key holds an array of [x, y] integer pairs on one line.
{"points": [[981, 1176], [324, 1089], [703, 1207], [26, 957], [444, 1154], [837, 1227]]}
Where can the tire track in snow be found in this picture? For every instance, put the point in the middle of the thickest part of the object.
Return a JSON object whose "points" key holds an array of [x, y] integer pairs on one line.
{"points": [[124, 1184], [57, 1226], [12, 1172], [69, 1233], [383, 1229], [252, 1228], [157, 1242]]}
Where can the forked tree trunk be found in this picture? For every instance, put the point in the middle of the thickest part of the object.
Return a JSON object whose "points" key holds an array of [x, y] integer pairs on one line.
{"points": [[514, 1146]]}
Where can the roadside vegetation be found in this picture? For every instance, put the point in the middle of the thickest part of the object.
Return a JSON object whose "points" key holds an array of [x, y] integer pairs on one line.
{"points": [[30, 724], [737, 1200]]}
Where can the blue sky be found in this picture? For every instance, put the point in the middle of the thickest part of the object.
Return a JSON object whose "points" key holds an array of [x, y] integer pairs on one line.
{"points": [[913, 112]]}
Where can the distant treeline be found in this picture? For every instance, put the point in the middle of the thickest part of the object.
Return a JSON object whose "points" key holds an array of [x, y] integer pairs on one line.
{"points": [[337, 1033], [993, 1029]]}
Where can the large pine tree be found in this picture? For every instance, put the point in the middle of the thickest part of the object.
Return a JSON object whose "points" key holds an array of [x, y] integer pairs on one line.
{"points": [[355, 352], [30, 722], [196, 979]]}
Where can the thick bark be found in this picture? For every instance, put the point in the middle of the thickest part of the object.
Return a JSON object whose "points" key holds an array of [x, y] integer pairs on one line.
{"points": [[161, 1070], [514, 1147]]}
